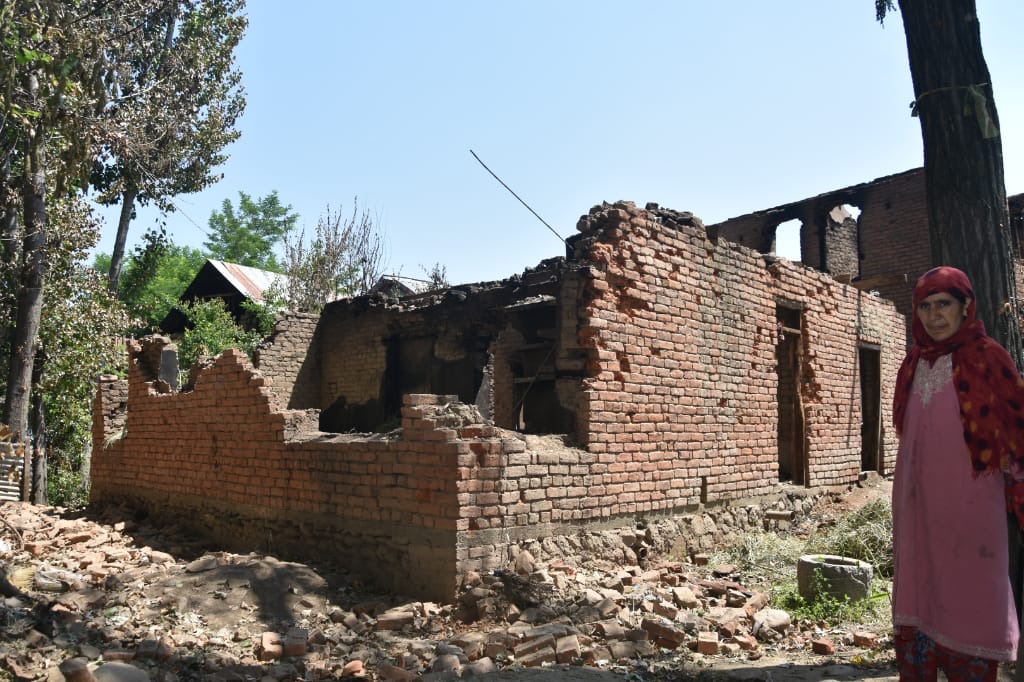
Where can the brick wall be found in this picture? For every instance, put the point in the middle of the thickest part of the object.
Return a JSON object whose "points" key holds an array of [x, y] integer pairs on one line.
{"points": [[681, 399], [353, 362], [894, 237], [890, 237], [225, 461], [289, 360]]}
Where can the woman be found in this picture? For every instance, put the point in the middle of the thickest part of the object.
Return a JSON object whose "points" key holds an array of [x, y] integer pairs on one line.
{"points": [[958, 410]]}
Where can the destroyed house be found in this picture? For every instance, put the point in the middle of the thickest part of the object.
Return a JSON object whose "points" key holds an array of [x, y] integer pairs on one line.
{"points": [[874, 235], [655, 372]]}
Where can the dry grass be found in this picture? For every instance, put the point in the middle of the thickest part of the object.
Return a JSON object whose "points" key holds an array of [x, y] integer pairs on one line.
{"points": [[768, 561]]}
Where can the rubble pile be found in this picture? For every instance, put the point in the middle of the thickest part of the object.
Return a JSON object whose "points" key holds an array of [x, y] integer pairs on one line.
{"points": [[85, 594]]}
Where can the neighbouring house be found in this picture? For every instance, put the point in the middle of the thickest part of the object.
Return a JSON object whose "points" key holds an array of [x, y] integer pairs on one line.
{"points": [[232, 283], [235, 284], [661, 385]]}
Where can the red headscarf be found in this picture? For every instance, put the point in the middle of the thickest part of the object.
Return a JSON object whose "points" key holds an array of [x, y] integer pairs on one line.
{"points": [[988, 387]]}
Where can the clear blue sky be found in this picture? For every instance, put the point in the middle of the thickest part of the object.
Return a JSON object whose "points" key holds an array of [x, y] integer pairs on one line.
{"points": [[720, 108]]}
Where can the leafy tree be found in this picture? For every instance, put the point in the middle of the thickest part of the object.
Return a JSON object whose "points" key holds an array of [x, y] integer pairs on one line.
{"points": [[343, 259], [963, 157], [156, 274], [212, 329], [248, 236], [61, 66], [178, 110], [79, 334]]}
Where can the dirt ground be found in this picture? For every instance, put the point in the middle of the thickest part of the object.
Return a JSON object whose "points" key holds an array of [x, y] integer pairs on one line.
{"points": [[102, 587]]}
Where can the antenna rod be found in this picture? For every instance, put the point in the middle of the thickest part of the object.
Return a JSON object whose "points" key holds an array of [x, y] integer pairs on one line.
{"points": [[516, 196]]}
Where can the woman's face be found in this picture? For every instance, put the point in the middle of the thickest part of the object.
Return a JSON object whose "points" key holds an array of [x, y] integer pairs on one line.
{"points": [[941, 314]]}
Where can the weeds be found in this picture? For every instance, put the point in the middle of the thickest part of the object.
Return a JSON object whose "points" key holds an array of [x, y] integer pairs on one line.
{"points": [[828, 608], [770, 560]]}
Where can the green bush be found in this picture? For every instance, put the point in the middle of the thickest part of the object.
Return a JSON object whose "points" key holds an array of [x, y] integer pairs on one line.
{"points": [[212, 329], [67, 488]]}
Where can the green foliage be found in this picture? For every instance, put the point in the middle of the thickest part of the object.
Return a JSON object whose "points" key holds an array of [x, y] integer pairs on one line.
{"points": [[67, 488], [145, 261], [155, 276], [68, 70], [180, 99], [248, 235], [150, 289], [79, 339], [827, 608], [212, 329], [260, 317], [882, 8], [52, 58]]}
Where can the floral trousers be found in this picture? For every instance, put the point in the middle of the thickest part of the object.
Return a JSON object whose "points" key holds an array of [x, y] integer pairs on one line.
{"points": [[919, 659]]}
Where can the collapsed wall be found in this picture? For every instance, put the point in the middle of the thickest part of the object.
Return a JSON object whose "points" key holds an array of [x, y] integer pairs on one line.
{"points": [[228, 462], [693, 374]]}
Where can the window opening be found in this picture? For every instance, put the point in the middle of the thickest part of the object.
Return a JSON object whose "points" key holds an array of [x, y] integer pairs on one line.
{"points": [[787, 240]]}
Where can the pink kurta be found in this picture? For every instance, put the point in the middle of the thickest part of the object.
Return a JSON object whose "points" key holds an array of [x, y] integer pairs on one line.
{"points": [[951, 548]]}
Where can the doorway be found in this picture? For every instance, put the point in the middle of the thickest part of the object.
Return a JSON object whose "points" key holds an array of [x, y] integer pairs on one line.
{"points": [[790, 438], [869, 359]]}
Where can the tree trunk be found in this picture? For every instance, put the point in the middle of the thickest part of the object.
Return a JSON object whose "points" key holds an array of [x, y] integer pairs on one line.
{"points": [[963, 157], [10, 239], [30, 289], [123, 221], [40, 442]]}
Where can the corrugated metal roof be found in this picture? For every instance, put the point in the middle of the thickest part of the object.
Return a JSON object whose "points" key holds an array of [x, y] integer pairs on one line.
{"points": [[248, 280]]}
